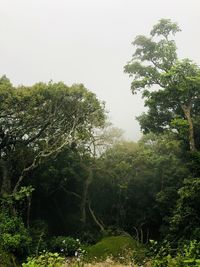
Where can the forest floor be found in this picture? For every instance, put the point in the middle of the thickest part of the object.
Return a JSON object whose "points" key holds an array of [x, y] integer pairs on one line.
{"points": [[106, 263], [100, 264]]}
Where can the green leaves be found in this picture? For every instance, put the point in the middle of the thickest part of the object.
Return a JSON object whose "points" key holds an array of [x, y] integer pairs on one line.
{"points": [[185, 221], [165, 27], [14, 236], [46, 259], [24, 192], [170, 86], [45, 118], [186, 255]]}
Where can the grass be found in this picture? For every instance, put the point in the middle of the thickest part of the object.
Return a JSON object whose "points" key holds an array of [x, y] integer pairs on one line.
{"points": [[99, 264], [114, 246], [116, 251], [107, 263], [120, 248]]}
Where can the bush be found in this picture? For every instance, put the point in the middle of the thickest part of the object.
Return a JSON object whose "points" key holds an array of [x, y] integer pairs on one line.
{"points": [[38, 232], [14, 236], [6, 259], [186, 255], [47, 259], [67, 246], [90, 237]]}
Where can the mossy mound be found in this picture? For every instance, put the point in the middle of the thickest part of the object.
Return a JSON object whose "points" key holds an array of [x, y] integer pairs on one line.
{"points": [[113, 246]]}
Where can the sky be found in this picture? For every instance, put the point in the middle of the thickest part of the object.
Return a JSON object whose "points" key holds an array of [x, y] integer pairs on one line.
{"points": [[89, 42]]}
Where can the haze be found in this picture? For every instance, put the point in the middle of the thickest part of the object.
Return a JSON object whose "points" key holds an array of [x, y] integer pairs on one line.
{"points": [[89, 42]]}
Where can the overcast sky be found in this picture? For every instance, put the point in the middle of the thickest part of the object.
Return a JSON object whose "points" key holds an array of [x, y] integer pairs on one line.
{"points": [[89, 42]]}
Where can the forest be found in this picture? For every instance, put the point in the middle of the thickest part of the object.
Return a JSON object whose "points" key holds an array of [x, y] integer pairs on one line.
{"points": [[74, 192]]}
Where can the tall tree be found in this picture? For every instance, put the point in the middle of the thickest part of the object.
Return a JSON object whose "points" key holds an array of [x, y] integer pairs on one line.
{"points": [[170, 86], [43, 118]]}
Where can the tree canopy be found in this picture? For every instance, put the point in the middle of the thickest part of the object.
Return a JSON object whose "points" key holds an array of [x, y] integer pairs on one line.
{"points": [[66, 173], [170, 86], [44, 118]]}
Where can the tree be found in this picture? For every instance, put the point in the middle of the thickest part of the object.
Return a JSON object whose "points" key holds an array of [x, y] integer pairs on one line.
{"points": [[170, 86], [108, 192], [185, 220], [100, 140], [136, 187], [43, 119], [63, 185]]}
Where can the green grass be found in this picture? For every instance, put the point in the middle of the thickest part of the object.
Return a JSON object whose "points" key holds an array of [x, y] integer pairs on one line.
{"points": [[113, 246]]}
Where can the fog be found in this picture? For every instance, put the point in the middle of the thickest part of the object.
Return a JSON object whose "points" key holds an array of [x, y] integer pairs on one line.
{"points": [[89, 42]]}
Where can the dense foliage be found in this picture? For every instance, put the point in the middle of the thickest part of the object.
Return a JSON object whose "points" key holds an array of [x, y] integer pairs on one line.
{"points": [[70, 185]]}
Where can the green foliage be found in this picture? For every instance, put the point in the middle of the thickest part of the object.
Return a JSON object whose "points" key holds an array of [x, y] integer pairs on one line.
{"points": [[6, 258], [14, 236], [67, 246], [185, 221], [24, 192], [159, 53], [38, 231], [53, 139], [46, 259], [186, 255], [43, 119], [18, 197], [136, 186], [165, 27], [90, 237], [176, 94], [114, 246]]}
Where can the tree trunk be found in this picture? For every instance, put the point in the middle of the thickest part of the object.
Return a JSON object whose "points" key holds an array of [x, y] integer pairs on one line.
{"points": [[187, 113], [84, 197], [6, 182], [98, 223]]}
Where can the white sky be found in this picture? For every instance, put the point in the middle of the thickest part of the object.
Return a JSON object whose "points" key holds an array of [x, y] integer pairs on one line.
{"points": [[89, 42]]}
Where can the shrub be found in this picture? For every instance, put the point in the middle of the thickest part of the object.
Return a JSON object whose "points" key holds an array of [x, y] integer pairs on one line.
{"points": [[38, 232], [67, 246], [14, 236], [90, 237], [6, 259], [46, 259], [187, 255]]}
